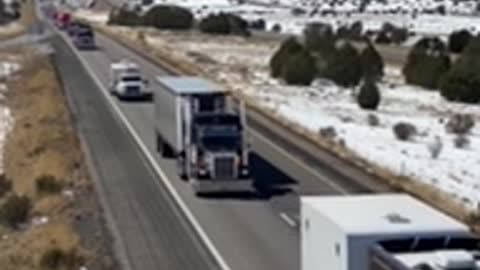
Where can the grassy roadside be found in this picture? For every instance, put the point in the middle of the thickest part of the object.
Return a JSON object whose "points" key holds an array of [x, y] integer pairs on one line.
{"points": [[18, 28], [430, 194], [43, 144]]}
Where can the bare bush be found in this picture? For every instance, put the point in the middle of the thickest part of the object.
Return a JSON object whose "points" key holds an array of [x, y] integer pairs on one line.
{"points": [[435, 148], [404, 131], [55, 258], [5, 185], [328, 133], [460, 123], [48, 184], [373, 120], [461, 141], [15, 210]]}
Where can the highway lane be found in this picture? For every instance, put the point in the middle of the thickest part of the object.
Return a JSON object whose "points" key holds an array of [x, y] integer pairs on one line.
{"points": [[247, 231], [153, 231], [235, 225], [238, 224]]}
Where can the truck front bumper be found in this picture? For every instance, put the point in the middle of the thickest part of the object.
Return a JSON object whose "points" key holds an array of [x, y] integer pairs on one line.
{"points": [[217, 186], [136, 96]]}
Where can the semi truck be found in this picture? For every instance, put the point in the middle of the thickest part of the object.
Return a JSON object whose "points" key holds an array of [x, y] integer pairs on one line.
{"points": [[127, 81], [196, 125]]}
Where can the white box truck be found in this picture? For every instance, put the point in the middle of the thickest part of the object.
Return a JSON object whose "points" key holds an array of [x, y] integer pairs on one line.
{"points": [[196, 126], [338, 232], [127, 81]]}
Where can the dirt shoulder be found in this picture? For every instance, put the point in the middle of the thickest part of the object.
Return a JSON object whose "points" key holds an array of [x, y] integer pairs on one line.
{"points": [[19, 27], [43, 144]]}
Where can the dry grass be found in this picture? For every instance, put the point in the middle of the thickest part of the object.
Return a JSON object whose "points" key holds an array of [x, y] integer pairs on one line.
{"points": [[28, 15], [22, 251], [41, 142], [427, 193], [18, 28]]}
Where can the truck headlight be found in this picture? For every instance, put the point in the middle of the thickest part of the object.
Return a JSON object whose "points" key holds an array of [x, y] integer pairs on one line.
{"points": [[202, 171], [244, 171]]}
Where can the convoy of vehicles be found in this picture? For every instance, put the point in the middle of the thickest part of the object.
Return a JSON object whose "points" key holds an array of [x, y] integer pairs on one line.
{"points": [[193, 120], [195, 125], [62, 19], [127, 81]]}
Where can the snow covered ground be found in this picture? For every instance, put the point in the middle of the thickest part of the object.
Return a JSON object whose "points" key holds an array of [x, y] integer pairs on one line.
{"points": [[243, 66], [376, 13], [6, 120]]}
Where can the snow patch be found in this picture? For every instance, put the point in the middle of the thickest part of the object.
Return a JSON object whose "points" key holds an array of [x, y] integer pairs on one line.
{"points": [[6, 119], [323, 105]]}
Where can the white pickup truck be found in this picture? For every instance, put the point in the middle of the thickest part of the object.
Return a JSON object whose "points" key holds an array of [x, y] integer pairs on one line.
{"points": [[127, 81]]}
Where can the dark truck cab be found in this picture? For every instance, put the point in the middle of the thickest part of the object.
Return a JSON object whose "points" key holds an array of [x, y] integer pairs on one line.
{"points": [[196, 126], [84, 38], [220, 144]]}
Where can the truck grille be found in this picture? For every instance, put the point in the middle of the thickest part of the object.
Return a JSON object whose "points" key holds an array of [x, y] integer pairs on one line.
{"points": [[224, 167], [133, 90]]}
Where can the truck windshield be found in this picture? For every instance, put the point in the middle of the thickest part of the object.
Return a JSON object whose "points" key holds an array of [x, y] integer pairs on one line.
{"points": [[131, 79], [221, 142], [85, 34]]}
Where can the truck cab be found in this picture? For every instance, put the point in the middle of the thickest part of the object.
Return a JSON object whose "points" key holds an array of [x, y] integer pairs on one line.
{"points": [[84, 38], [128, 82], [220, 148], [207, 137]]}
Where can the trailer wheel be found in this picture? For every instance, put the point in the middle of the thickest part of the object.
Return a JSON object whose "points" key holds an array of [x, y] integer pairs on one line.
{"points": [[181, 171], [159, 145], [167, 151]]}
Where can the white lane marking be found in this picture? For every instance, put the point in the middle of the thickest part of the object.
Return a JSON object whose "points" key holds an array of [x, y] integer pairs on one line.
{"points": [[198, 228], [324, 179], [288, 220]]}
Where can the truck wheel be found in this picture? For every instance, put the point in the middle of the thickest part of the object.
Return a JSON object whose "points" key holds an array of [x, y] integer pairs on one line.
{"points": [[200, 194], [159, 145], [167, 151], [181, 171]]}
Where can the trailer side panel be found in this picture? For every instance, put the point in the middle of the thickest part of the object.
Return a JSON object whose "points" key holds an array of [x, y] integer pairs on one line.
{"points": [[168, 117]]}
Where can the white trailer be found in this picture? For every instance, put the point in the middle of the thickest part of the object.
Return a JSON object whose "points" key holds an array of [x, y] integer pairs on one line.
{"points": [[127, 81], [338, 232], [195, 125]]}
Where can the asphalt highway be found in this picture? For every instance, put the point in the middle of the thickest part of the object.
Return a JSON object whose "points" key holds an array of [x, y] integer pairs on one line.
{"points": [[249, 231], [153, 231]]}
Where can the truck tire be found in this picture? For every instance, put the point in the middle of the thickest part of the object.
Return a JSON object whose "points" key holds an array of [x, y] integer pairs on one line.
{"points": [[159, 144], [163, 148], [167, 151], [181, 171]]}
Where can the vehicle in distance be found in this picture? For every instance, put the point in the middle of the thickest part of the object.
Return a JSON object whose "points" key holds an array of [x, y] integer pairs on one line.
{"points": [[62, 19], [84, 38], [127, 81], [74, 26], [195, 125]]}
